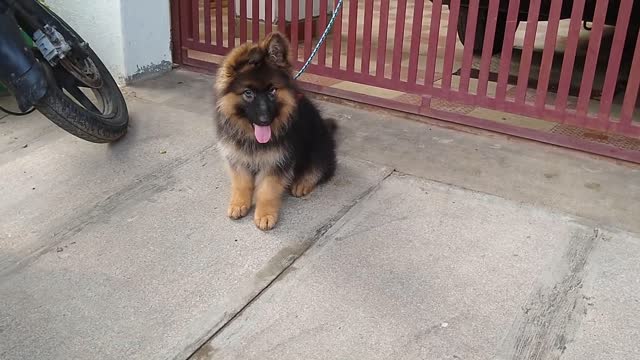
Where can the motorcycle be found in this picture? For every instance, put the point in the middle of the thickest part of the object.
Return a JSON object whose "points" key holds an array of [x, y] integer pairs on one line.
{"points": [[58, 74]]}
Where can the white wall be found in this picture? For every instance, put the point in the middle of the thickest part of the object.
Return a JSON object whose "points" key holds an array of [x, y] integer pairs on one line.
{"points": [[146, 29], [132, 37]]}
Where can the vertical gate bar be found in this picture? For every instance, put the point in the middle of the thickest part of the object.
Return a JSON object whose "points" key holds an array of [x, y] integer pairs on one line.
{"points": [[231, 24], [591, 62], [186, 28], [432, 50], [295, 16], [268, 17], [527, 51], [207, 21], [351, 37], [382, 39], [176, 31], [366, 36], [219, 27], [548, 54], [507, 50], [487, 46], [450, 44], [398, 42], [322, 24], [282, 18], [615, 57], [195, 18], [337, 40], [569, 59], [243, 21], [255, 21], [416, 37], [467, 55], [633, 85], [308, 28], [186, 24]]}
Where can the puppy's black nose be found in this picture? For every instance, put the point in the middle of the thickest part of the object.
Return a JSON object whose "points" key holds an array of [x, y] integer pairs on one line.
{"points": [[263, 121]]}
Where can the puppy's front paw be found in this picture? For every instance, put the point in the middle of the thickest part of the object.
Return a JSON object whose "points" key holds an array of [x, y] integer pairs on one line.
{"points": [[237, 211], [265, 222], [302, 188]]}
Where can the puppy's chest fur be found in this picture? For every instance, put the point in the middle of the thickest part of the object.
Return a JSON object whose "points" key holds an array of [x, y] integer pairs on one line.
{"points": [[253, 158]]}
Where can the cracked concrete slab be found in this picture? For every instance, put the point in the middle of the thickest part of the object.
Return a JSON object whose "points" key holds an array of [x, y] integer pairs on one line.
{"points": [[58, 177], [125, 251], [611, 324], [423, 270]]}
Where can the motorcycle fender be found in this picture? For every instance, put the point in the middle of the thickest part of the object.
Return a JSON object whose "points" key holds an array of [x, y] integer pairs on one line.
{"points": [[20, 71]]}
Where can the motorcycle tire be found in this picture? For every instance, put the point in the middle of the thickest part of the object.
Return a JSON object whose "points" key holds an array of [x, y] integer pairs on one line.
{"points": [[81, 122]]}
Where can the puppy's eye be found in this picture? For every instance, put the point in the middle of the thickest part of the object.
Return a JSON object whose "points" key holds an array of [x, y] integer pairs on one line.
{"points": [[273, 91], [248, 95]]}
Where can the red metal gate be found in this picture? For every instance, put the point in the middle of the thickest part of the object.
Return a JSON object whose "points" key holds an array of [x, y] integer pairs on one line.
{"points": [[549, 80]]}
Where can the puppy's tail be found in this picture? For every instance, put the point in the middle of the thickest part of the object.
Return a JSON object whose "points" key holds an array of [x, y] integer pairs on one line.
{"points": [[332, 125]]}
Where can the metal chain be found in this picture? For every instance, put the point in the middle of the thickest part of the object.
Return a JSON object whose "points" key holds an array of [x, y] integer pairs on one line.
{"points": [[322, 39]]}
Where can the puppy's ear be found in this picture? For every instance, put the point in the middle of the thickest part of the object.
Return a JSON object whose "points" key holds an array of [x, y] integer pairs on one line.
{"points": [[276, 47], [236, 61], [242, 58], [255, 56]]}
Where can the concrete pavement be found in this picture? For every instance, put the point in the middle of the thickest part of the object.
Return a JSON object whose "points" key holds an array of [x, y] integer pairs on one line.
{"points": [[477, 246], [422, 270]]}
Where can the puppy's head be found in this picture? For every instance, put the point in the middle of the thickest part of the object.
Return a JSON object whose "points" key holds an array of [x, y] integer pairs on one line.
{"points": [[256, 90]]}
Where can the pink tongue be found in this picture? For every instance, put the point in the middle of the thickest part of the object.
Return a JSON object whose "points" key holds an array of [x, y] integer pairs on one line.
{"points": [[262, 133]]}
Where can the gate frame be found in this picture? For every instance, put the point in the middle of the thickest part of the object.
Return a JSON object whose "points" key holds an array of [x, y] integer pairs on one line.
{"points": [[176, 34], [180, 57]]}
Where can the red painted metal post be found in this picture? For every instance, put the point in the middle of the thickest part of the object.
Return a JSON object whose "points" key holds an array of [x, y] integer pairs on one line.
{"points": [[207, 22], [432, 50], [507, 50], [219, 31], [366, 36], [416, 37], [322, 24], [569, 56], [337, 40], [631, 93], [467, 55], [382, 39], [282, 23], [351, 37], [186, 24], [176, 31], [547, 55], [295, 16], [398, 42], [613, 67], [268, 17], [243, 21], [195, 18], [527, 51], [231, 23], [450, 44], [487, 48], [591, 62], [308, 28], [255, 21]]}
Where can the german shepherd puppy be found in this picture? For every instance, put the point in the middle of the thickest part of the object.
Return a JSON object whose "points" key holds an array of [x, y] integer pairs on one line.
{"points": [[271, 135]]}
